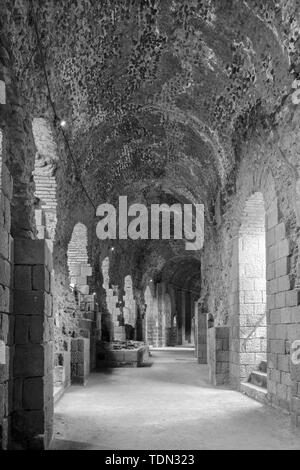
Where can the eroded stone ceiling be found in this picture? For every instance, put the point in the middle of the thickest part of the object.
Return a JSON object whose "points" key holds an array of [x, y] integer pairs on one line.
{"points": [[155, 93], [156, 89]]}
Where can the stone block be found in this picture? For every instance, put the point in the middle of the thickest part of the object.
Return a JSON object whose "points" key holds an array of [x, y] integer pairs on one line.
{"points": [[270, 237], [293, 332], [283, 283], [272, 216], [292, 298], [86, 271], [21, 329], [29, 361], [2, 92], [272, 254], [18, 394], [32, 252], [295, 314], [22, 278], [281, 391], [280, 300], [36, 329], [4, 299], [84, 289], [5, 273], [284, 363], [26, 426], [39, 217], [277, 346], [283, 249], [33, 393], [4, 244], [4, 328], [286, 379], [286, 315], [282, 267], [280, 232], [272, 286], [40, 278], [29, 303]]}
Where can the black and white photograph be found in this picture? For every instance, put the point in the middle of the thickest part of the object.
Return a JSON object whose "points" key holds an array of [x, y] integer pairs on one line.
{"points": [[149, 228]]}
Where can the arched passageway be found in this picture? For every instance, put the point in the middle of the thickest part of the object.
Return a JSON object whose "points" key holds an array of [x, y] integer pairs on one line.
{"points": [[140, 106]]}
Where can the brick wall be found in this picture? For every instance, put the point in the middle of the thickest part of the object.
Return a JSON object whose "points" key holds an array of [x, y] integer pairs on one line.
{"points": [[44, 179], [79, 267]]}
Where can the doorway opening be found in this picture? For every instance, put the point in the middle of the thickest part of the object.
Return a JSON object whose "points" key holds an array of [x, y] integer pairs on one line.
{"points": [[252, 319]]}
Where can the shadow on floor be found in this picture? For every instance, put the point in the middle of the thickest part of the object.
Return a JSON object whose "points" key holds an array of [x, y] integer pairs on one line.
{"points": [[61, 444]]}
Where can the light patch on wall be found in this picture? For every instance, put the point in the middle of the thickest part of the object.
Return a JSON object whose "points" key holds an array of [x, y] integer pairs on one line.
{"points": [[2, 353], [2, 92]]}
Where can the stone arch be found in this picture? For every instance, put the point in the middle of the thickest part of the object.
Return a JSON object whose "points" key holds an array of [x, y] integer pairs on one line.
{"points": [[44, 179], [282, 298], [249, 289]]}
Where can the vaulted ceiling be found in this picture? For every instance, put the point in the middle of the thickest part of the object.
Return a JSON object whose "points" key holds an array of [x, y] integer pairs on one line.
{"points": [[156, 94]]}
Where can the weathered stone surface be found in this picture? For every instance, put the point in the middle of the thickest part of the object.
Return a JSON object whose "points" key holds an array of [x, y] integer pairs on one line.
{"points": [[200, 104]]}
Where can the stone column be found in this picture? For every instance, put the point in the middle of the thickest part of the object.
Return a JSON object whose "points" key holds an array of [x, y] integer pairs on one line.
{"points": [[80, 360], [201, 334], [183, 317], [32, 415], [218, 355], [6, 269]]}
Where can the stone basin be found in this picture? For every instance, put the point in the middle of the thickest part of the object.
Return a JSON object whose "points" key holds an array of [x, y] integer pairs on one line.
{"points": [[116, 355]]}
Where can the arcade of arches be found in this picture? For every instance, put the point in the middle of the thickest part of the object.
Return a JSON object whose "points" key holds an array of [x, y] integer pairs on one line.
{"points": [[166, 102]]}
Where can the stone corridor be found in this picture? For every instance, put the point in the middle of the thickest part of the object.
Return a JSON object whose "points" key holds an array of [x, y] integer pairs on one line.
{"points": [[170, 405], [149, 198]]}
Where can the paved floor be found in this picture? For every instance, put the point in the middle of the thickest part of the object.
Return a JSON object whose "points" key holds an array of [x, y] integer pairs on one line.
{"points": [[170, 405]]}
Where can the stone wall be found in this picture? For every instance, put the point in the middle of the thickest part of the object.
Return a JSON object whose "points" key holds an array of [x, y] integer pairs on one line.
{"points": [[201, 333], [164, 305], [80, 360], [121, 308], [79, 267], [6, 270], [218, 355], [32, 391], [263, 169], [45, 182]]}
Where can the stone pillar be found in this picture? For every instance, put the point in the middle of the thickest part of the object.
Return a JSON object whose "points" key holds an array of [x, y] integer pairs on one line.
{"points": [[201, 334], [32, 413], [183, 317], [218, 355], [6, 269], [80, 360]]}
